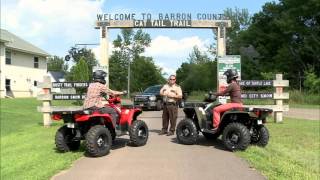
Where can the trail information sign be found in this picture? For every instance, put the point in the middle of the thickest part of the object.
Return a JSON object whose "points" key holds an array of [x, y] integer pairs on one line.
{"points": [[224, 63]]}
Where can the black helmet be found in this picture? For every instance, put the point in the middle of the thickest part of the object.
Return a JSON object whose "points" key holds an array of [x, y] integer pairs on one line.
{"points": [[99, 76], [231, 74]]}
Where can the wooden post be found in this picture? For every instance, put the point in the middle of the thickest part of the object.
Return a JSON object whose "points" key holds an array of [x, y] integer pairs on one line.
{"points": [[279, 83], [104, 49], [46, 98]]}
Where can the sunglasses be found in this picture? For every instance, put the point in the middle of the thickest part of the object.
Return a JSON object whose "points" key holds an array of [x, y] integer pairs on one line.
{"points": [[172, 79]]}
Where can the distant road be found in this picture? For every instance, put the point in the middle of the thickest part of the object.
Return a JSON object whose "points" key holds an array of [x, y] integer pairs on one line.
{"points": [[301, 113]]}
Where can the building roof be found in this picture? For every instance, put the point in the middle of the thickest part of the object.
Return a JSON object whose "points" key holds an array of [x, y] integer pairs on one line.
{"points": [[57, 75], [14, 42]]}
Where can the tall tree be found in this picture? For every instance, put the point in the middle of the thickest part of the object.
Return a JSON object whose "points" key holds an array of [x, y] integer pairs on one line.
{"points": [[80, 73], [145, 73], [198, 57], [240, 21], [200, 73], [287, 36], [57, 63], [75, 54], [129, 45]]}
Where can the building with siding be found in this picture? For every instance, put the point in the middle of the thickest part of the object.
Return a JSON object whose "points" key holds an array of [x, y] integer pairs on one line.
{"points": [[22, 67]]}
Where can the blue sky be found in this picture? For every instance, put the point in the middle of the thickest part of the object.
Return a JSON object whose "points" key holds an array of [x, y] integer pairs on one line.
{"points": [[57, 25]]}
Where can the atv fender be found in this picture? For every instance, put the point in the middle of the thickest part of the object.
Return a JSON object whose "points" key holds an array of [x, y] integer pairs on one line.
{"points": [[107, 118], [128, 116], [241, 116]]}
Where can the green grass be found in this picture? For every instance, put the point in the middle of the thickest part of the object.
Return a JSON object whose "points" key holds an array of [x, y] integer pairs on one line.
{"points": [[305, 106], [293, 151], [27, 148]]}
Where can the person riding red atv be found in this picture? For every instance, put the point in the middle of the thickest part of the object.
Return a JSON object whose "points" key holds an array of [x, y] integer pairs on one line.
{"points": [[97, 129]]}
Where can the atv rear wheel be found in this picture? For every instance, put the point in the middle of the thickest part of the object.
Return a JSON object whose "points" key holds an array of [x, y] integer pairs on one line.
{"points": [[210, 136], [98, 141], [236, 136], [187, 132], [64, 140], [260, 136], [138, 133]]}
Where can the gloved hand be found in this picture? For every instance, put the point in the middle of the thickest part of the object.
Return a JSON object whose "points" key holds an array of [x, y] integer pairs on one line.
{"points": [[124, 92]]}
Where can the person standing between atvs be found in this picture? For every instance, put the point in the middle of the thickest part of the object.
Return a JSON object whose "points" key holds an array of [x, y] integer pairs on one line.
{"points": [[97, 90], [171, 93], [233, 90]]}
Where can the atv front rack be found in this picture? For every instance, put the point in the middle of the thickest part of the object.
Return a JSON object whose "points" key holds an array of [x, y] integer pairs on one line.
{"points": [[194, 104]]}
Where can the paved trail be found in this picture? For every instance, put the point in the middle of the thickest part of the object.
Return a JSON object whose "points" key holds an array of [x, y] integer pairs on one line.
{"points": [[162, 158], [309, 114]]}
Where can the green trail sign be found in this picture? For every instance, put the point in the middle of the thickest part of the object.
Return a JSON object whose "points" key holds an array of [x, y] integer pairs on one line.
{"points": [[224, 63], [228, 62]]}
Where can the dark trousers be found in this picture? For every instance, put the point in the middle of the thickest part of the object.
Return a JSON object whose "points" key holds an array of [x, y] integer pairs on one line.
{"points": [[170, 113], [111, 111]]}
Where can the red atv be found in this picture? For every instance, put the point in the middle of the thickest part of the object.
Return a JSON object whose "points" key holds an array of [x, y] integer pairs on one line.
{"points": [[97, 129]]}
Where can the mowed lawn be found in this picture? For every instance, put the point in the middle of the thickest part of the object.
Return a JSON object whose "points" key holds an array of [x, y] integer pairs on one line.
{"points": [[28, 150], [293, 151]]}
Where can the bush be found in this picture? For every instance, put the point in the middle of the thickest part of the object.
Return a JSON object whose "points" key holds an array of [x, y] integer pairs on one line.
{"points": [[297, 97], [312, 82]]}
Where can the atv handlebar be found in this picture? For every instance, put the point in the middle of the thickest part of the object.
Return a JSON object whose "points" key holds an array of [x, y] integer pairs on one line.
{"points": [[210, 97]]}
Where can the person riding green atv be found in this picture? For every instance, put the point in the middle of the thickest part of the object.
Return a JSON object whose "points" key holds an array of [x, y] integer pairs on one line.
{"points": [[238, 125]]}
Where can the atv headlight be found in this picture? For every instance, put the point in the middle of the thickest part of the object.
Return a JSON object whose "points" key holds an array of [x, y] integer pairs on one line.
{"points": [[152, 98]]}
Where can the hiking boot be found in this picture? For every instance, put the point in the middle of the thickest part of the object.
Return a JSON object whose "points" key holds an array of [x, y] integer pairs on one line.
{"points": [[163, 132], [170, 133]]}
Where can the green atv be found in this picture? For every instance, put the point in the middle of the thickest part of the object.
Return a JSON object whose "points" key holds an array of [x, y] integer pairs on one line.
{"points": [[239, 126]]}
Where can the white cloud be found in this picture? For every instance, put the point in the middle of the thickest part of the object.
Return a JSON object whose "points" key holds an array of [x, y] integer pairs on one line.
{"points": [[96, 50], [170, 53], [43, 20], [165, 46]]}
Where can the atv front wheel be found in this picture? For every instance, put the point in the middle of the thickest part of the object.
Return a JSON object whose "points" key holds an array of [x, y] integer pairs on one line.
{"points": [[187, 132], [98, 141], [64, 140], [236, 136], [260, 136], [138, 133]]}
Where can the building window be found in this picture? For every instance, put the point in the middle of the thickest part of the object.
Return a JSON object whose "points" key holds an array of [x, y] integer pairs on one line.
{"points": [[36, 62], [8, 85], [8, 57], [35, 83]]}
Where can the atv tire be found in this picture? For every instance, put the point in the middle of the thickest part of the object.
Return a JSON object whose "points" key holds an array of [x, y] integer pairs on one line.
{"points": [[260, 136], [210, 136], [98, 141], [63, 140], [236, 136], [187, 132], [138, 133]]}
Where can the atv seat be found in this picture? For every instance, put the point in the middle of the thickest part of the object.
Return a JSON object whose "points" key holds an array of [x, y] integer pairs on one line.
{"points": [[127, 106]]}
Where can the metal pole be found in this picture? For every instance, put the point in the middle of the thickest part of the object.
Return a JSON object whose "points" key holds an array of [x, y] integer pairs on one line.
{"points": [[129, 72]]}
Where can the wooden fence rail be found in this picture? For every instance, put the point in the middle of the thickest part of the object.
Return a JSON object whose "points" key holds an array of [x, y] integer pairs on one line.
{"points": [[278, 96]]}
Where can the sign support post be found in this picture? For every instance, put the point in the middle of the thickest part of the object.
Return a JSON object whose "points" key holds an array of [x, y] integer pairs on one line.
{"points": [[104, 57]]}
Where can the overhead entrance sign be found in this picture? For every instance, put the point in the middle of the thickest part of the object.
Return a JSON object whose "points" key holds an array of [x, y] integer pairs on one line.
{"points": [[105, 21], [162, 23]]}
